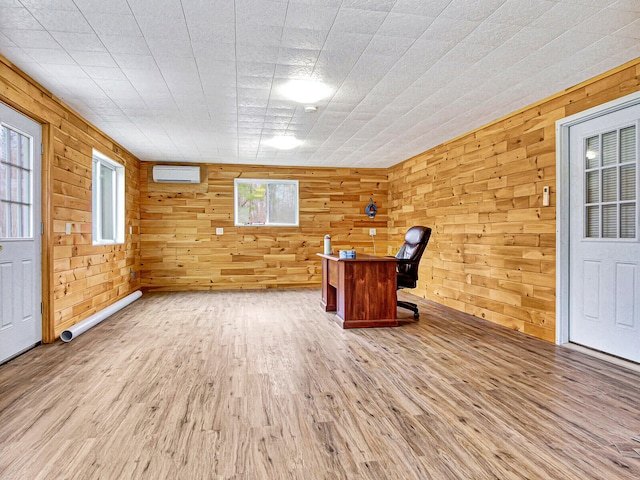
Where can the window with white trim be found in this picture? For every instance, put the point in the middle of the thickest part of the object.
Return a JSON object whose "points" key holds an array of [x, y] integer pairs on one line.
{"points": [[108, 200], [266, 202], [610, 184]]}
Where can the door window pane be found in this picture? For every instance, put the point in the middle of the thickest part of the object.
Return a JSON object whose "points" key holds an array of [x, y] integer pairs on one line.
{"points": [[593, 187], [628, 220], [593, 152], [609, 221], [15, 184], [593, 222], [611, 186], [628, 144], [628, 182], [610, 148]]}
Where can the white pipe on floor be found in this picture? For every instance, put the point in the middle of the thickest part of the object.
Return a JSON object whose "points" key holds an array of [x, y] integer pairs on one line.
{"points": [[79, 328]]}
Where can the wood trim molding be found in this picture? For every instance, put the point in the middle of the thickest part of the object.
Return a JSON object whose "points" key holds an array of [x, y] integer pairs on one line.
{"points": [[48, 328]]}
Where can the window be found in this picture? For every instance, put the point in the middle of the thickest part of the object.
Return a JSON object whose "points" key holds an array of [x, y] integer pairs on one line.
{"points": [[266, 202], [108, 200], [610, 184], [16, 178]]}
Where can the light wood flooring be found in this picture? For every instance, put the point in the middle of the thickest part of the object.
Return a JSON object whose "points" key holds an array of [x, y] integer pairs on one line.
{"points": [[264, 385]]}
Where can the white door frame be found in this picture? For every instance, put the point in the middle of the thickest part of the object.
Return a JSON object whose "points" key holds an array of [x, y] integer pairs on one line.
{"points": [[562, 204]]}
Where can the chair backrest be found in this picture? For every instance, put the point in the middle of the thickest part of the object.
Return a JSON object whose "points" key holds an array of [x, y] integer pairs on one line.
{"points": [[415, 241]]}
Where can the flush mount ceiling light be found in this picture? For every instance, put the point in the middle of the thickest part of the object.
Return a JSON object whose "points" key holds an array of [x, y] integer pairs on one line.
{"points": [[305, 91], [284, 142]]}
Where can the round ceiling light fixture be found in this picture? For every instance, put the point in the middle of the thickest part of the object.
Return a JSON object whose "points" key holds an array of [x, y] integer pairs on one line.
{"points": [[305, 91], [284, 142]]}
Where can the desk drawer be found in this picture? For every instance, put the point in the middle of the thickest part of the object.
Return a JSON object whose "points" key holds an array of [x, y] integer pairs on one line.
{"points": [[333, 273]]}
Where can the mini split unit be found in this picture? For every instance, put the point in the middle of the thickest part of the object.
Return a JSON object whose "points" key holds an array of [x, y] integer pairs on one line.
{"points": [[176, 174]]}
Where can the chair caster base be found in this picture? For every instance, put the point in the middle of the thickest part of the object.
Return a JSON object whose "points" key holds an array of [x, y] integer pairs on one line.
{"points": [[410, 306]]}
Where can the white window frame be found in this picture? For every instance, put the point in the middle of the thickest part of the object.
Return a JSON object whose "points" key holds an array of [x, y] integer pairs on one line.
{"points": [[268, 182], [118, 194]]}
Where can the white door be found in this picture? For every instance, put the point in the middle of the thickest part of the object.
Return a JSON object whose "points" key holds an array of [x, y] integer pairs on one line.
{"points": [[20, 255], [604, 258]]}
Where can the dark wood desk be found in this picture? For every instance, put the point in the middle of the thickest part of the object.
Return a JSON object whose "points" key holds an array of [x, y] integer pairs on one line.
{"points": [[361, 290]]}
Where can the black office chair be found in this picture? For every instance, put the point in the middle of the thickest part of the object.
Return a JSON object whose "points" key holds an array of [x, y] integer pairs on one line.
{"points": [[409, 255]]}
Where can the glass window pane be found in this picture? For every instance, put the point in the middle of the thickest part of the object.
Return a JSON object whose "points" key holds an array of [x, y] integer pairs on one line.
{"points": [[14, 230], [25, 187], [5, 213], [610, 221], [3, 143], [593, 152], [14, 183], [628, 144], [628, 182], [252, 205], [25, 221], [14, 141], [610, 184], [593, 187], [593, 222], [282, 203], [4, 180], [107, 179], [25, 152], [628, 220], [610, 148]]}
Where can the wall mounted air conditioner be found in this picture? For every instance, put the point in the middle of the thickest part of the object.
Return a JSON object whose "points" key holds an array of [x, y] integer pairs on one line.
{"points": [[176, 174]]}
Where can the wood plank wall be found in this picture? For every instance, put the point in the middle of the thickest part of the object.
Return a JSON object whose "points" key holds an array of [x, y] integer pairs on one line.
{"points": [[181, 251], [80, 278], [493, 249]]}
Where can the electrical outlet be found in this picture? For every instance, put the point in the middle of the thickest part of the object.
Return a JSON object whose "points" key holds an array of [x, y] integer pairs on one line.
{"points": [[219, 231], [372, 231]]}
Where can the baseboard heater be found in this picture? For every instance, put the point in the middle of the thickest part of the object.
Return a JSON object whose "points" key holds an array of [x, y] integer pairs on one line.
{"points": [[79, 328]]}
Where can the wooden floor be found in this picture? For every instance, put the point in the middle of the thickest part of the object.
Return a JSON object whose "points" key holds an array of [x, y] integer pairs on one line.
{"points": [[264, 385]]}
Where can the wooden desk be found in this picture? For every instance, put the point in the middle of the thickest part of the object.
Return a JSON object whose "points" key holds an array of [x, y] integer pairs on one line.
{"points": [[361, 290]]}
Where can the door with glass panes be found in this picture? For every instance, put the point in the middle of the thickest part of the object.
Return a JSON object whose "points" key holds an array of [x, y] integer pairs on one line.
{"points": [[604, 254], [20, 255]]}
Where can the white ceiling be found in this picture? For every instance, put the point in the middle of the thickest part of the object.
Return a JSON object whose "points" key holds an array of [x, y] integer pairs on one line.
{"points": [[197, 80]]}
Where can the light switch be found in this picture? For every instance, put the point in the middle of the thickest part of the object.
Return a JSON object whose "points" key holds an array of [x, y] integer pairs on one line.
{"points": [[545, 196], [372, 231], [219, 231], [67, 228]]}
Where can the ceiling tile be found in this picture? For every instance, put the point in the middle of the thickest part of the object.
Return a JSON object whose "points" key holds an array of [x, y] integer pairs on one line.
{"points": [[471, 10], [31, 38], [263, 12], [404, 25], [113, 24], [18, 19], [310, 17], [62, 21], [517, 12], [354, 20], [88, 42]]}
